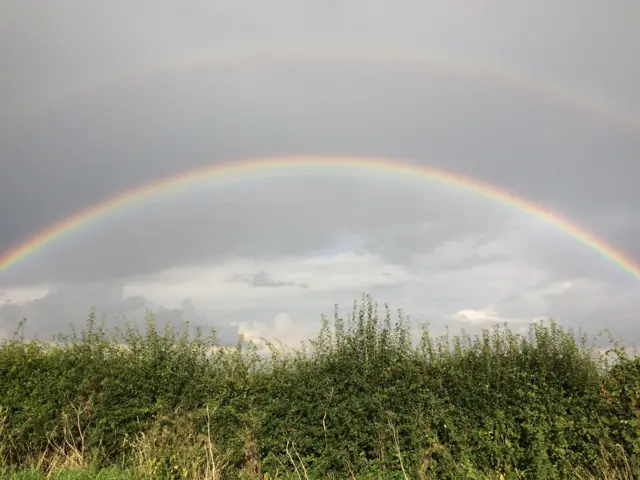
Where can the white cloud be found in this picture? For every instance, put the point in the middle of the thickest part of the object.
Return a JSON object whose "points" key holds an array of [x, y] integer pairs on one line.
{"points": [[210, 285], [20, 296], [476, 317], [474, 281], [290, 331]]}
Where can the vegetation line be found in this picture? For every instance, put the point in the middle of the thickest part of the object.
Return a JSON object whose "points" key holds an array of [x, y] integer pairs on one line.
{"points": [[360, 400]]}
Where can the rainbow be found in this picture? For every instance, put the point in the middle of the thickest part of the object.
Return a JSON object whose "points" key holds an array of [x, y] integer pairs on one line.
{"points": [[247, 168], [398, 58]]}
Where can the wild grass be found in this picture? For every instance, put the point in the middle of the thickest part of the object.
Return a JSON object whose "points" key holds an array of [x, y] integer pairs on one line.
{"points": [[359, 401]]}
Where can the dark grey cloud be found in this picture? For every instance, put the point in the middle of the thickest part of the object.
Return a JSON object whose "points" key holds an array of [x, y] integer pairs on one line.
{"points": [[565, 256], [616, 310], [261, 218], [575, 160], [592, 46], [263, 279], [163, 127], [91, 153], [581, 303], [476, 260], [70, 304]]}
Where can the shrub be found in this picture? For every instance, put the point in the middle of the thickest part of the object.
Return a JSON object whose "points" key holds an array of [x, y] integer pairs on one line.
{"points": [[359, 399]]}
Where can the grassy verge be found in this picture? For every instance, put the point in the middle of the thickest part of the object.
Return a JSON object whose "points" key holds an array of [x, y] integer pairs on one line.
{"points": [[361, 401]]}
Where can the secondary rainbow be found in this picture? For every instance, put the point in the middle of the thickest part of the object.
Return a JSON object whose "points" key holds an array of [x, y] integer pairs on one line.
{"points": [[247, 168], [397, 58]]}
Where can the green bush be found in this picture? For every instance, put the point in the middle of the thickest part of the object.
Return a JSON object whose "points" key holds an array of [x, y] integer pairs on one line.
{"points": [[360, 399]]}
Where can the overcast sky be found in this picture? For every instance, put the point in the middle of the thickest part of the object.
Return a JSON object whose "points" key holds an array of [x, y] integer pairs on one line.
{"points": [[269, 255]]}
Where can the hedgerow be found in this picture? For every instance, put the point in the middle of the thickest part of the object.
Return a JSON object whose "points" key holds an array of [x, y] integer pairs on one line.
{"points": [[360, 400]]}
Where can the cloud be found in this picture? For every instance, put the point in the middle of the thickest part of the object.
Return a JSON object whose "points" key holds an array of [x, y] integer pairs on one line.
{"points": [[283, 329], [54, 310], [476, 297], [263, 218], [475, 317], [242, 247], [263, 279], [345, 273]]}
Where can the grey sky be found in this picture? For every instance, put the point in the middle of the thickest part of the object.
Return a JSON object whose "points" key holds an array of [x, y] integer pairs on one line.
{"points": [[432, 250]]}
